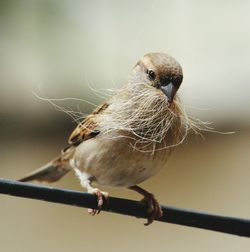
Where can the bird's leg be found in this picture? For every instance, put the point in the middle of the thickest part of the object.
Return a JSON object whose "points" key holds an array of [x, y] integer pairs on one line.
{"points": [[155, 211], [85, 180]]}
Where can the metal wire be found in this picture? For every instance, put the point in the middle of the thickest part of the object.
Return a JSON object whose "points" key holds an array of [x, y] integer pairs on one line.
{"points": [[174, 215]]}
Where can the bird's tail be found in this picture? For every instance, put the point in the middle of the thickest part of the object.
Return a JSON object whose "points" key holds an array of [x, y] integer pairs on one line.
{"points": [[52, 171]]}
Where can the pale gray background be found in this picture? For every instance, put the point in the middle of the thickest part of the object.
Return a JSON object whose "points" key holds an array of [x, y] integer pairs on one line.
{"points": [[67, 48]]}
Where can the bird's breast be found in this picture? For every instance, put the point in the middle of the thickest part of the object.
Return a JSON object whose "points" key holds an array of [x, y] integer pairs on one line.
{"points": [[112, 160]]}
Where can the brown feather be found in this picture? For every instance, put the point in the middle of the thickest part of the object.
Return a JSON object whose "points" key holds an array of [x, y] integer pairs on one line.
{"points": [[54, 170], [88, 128]]}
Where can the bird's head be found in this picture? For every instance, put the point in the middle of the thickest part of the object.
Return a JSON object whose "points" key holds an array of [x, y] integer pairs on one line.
{"points": [[160, 71]]}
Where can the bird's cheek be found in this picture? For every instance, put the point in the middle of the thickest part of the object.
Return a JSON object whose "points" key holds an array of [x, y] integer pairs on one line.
{"points": [[157, 84]]}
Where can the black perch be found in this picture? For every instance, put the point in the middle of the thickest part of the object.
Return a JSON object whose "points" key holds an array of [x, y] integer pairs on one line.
{"points": [[174, 215]]}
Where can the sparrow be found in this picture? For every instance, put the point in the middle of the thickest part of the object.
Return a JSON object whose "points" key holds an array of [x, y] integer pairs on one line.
{"points": [[129, 137]]}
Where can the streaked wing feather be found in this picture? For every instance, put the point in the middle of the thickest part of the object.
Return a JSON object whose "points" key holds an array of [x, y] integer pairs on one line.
{"points": [[88, 128]]}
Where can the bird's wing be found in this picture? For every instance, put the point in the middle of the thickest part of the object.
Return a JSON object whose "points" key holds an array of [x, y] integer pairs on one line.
{"points": [[88, 128], [58, 167]]}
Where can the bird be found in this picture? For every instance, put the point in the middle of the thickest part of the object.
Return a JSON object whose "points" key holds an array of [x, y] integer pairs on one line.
{"points": [[129, 137]]}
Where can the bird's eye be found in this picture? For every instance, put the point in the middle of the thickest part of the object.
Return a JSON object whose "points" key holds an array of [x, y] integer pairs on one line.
{"points": [[151, 74]]}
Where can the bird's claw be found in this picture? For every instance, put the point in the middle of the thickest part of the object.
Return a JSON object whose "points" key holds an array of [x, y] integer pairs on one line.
{"points": [[154, 209], [100, 195]]}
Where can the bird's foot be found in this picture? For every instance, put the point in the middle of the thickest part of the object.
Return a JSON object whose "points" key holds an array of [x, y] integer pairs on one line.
{"points": [[154, 208], [100, 196]]}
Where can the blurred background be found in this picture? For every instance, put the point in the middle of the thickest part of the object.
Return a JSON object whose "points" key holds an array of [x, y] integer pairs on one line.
{"points": [[78, 49]]}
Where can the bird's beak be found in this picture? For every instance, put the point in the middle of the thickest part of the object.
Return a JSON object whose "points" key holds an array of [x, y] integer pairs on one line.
{"points": [[169, 90]]}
